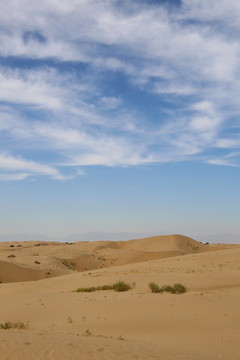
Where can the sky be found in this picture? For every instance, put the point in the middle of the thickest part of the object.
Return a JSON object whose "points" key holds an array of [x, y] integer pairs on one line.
{"points": [[119, 119]]}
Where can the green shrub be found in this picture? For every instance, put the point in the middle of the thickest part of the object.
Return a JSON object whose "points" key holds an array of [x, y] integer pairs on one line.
{"points": [[118, 286], [89, 289], [168, 288], [154, 287], [121, 286], [13, 325], [175, 289], [179, 288]]}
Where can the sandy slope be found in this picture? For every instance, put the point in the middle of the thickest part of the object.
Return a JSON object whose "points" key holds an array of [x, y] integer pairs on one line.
{"points": [[200, 324], [27, 261]]}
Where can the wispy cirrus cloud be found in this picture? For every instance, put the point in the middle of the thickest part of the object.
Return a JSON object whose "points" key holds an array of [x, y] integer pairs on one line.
{"points": [[75, 77], [20, 168]]}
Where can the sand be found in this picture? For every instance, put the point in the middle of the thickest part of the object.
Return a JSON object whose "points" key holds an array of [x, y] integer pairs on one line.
{"points": [[203, 323]]}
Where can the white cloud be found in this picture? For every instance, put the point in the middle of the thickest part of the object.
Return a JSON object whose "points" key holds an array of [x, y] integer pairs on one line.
{"points": [[110, 102], [228, 143], [222, 162], [13, 177], [230, 159], [224, 11], [183, 57], [31, 88], [17, 164], [174, 89], [207, 120]]}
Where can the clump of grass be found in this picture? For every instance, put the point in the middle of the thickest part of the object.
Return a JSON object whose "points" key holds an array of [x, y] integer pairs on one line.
{"points": [[168, 288], [121, 286], [179, 288], [88, 289], [118, 286], [154, 287], [105, 287], [13, 325], [175, 289], [95, 288], [37, 262]]}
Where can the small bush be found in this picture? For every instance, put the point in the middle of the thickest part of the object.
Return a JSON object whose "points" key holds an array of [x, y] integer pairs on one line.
{"points": [[13, 325], [11, 256], [154, 287], [175, 289], [179, 288], [168, 288], [89, 289], [37, 262], [121, 286]]}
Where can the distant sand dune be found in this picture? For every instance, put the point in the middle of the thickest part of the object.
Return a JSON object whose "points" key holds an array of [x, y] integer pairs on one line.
{"points": [[29, 261]]}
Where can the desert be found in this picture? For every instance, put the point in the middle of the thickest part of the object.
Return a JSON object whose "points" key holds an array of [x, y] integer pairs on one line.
{"points": [[119, 180], [52, 321]]}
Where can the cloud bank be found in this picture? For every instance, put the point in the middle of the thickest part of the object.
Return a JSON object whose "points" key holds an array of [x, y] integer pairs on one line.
{"points": [[112, 83]]}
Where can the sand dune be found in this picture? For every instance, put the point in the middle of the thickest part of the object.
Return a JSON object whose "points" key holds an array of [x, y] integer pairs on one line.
{"points": [[12, 273], [201, 324], [29, 261]]}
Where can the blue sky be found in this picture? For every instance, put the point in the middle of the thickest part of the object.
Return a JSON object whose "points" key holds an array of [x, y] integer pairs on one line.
{"points": [[119, 117]]}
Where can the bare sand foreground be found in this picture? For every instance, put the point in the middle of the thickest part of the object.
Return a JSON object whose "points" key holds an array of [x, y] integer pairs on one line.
{"points": [[202, 324]]}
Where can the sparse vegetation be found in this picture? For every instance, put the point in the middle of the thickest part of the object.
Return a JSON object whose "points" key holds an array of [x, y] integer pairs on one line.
{"points": [[89, 289], [37, 262], [168, 288], [118, 286], [87, 333], [175, 289], [69, 320], [13, 325], [179, 288], [47, 273], [69, 264], [121, 286], [154, 287]]}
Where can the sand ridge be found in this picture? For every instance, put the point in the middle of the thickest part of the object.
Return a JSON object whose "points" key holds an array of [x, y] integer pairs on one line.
{"points": [[35, 260]]}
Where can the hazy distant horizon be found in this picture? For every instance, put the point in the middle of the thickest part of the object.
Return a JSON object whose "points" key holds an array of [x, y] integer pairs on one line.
{"points": [[98, 236]]}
